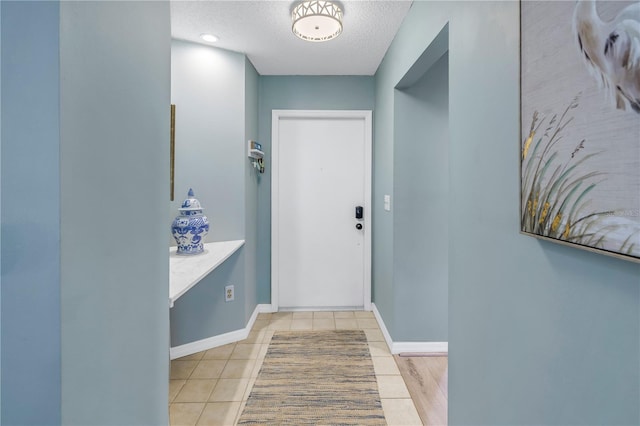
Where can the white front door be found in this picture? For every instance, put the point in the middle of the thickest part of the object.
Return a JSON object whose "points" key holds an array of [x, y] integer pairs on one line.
{"points": [[321, 172]]}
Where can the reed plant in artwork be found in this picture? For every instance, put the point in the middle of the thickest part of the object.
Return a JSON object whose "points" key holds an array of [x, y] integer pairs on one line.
{"points": [[555, 187]]}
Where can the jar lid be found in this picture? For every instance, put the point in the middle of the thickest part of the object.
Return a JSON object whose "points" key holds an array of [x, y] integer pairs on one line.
{"points": [[190, 203]]}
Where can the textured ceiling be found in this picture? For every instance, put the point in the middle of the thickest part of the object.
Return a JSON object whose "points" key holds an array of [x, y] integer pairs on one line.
{"points": [[262, 30]]}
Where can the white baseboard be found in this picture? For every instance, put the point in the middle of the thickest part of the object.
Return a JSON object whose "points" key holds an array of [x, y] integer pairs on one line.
{"points": [[320, 309], [383, 327], [412, 347], [265, 308], [421, 347], [219, 340]]}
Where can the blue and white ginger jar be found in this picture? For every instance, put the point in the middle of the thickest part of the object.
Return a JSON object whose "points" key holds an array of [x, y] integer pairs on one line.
{"points": [[190, 227]]}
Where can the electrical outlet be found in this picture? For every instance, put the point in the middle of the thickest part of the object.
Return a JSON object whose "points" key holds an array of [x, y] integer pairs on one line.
{"points": [[229, 293]]}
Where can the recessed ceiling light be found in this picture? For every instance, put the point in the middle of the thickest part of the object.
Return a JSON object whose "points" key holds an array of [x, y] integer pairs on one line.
{"points": [[209, 37]]}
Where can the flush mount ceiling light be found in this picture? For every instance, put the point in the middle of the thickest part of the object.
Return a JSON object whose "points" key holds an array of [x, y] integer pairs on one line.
{"points": [[317, 20]]}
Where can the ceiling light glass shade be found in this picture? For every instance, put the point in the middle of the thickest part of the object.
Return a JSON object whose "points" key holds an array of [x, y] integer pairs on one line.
{"points": [[317, 20]]}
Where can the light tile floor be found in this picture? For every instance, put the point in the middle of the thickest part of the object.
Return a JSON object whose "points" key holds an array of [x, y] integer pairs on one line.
{"points": [[211, 387]]}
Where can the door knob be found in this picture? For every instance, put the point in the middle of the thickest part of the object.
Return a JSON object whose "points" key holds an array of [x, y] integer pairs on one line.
{"points": [[358, 226]]}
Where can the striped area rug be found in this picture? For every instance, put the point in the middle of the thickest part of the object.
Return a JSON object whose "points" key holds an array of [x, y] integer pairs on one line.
{"points": [[315, 378]]}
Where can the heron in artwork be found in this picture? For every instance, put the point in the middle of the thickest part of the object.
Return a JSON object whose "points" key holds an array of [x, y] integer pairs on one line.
{"points": [[611, 50]]}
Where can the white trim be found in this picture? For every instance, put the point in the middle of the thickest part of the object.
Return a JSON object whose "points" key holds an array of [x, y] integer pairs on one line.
{"points": [[421, 347], [265, 308], [219, 340], [275, 202], [383, 327], [322, 309], [276, 115], [208, 343], [412, 347], [368, 205]]}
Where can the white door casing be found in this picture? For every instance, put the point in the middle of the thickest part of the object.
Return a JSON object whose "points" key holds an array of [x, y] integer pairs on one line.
{"points": [[321, 170]]}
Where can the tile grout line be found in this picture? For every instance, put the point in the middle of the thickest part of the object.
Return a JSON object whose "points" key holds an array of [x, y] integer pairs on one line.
{"points": [[226, 361]]}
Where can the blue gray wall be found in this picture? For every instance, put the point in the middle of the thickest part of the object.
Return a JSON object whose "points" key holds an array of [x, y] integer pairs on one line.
{"points": [[252, 181], [538, 333], [207, 87], [215, 92], [0, 215], [84, 307], [30, 214], [421, 192], [297, 92], [114, 152], [202, 313]]}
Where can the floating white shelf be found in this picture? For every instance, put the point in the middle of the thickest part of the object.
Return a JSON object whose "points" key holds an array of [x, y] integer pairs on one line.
{"points": [[185, 271]]}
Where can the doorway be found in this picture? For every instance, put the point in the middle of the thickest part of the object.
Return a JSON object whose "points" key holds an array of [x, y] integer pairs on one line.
{"points": [[321, 250]]}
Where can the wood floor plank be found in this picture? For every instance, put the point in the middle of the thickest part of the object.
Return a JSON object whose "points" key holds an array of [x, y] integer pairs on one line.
{"points": [[426, 379], [439, 368]]}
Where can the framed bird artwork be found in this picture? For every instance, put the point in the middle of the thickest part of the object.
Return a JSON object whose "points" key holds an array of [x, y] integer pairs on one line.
{"points": [[580, 124]]}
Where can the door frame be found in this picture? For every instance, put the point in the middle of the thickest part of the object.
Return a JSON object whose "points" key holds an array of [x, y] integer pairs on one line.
{"points": [[276, 116]]}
